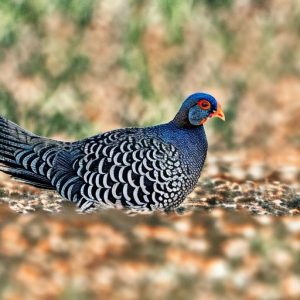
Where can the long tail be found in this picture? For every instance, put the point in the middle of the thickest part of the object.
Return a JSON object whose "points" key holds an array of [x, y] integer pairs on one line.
{"points": [[25, 156]]}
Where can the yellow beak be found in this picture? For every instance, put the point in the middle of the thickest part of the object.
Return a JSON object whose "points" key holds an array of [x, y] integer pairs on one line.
{"points": [[219, 113]]}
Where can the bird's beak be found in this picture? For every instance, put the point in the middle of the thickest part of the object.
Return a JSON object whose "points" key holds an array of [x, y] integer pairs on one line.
{"points": [[219, 113]]}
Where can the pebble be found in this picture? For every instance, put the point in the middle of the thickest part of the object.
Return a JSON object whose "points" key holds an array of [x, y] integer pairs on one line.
{"points": [[288, 173], [256, 171]]}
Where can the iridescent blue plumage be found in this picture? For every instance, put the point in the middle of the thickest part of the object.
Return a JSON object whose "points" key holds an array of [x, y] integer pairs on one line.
{"points": [[137, 168]]}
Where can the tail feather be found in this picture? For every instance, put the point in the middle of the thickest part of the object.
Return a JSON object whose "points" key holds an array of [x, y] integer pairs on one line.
{"points": [[27, 177], [25, 156]]}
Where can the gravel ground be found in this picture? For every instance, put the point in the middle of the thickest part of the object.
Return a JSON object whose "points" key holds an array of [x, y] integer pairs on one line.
{"points": [[225, 183], [237, 236]]}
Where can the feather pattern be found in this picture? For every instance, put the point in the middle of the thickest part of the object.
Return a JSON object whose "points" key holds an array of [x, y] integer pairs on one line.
{"points": [[150, 168], [27, 157], [107, 179]]}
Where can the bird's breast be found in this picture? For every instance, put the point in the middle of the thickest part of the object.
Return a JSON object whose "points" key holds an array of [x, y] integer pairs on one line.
{"points": [[191, 144]]}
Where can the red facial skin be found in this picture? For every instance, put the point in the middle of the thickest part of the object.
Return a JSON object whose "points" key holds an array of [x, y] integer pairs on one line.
{"points": [[205, 105]]}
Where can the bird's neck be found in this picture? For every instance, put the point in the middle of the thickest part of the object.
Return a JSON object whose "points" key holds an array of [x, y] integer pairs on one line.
{"points": [[181, 120], [190, 140]]}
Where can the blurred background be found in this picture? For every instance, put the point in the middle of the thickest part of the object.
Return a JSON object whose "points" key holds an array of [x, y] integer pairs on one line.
{"points": [[72, 68]]}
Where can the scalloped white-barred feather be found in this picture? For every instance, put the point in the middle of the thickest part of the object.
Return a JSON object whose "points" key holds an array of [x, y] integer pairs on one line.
{"points": [[137, 168], [122, 167]]}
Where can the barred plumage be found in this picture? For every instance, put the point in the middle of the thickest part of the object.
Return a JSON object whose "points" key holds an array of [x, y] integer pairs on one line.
{"points": [[26, 156], [138, 168], [126, 169]]}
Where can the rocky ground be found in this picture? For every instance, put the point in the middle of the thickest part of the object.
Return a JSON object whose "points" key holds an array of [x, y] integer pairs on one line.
{"points": [[237, 236], [227, 182]]}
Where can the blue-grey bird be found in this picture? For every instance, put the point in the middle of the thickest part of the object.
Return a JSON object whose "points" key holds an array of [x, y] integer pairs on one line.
{"points": [[146, 169]]}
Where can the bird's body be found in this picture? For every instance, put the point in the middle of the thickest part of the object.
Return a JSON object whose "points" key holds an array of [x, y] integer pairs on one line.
{"points": [[152, 168]]}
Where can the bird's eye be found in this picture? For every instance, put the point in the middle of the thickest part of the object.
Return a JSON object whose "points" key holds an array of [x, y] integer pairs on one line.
{"points": [[204, 104]]}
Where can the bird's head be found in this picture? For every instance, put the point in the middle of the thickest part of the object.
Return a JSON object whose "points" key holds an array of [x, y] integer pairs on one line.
{"points": [[196, 109]]}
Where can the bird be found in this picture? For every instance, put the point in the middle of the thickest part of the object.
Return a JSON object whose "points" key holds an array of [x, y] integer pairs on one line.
{"points": [[141, 169]]}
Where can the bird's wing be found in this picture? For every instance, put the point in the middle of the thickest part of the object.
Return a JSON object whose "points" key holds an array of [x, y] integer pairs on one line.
{"points": [[127, 169]]}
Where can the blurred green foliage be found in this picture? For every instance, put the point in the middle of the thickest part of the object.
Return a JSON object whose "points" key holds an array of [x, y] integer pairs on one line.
{"points": [[81, 12], [134, 59], [15, 17], [8, 105], [227, 132], [184, 31]]}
